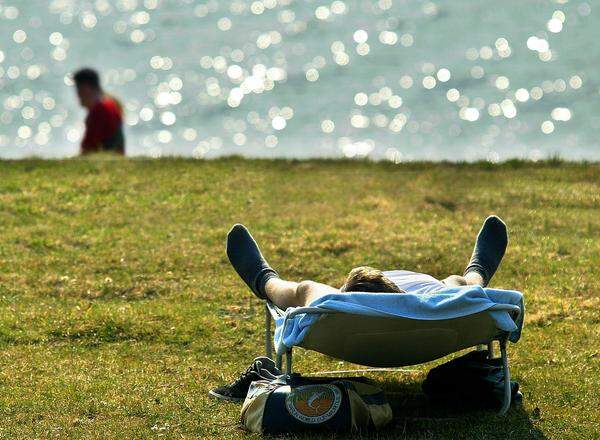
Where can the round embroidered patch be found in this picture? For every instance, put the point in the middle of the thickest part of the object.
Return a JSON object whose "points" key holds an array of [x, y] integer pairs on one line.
{"points": [[314, 403]]}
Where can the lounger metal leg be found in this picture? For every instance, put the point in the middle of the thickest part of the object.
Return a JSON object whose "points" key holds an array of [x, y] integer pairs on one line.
{"points": [[490, 348], [268, 346], [288, 362], [507, 390]]}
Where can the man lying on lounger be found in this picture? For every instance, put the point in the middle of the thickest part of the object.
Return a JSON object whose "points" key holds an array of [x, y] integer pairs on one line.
{"points": [[264, 281]]}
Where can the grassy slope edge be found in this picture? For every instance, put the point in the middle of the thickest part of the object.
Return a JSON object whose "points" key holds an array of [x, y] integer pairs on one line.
{"points": [[119, 310]]}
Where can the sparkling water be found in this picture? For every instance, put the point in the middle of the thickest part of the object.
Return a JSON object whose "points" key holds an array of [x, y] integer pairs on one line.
{"points": [[388, 79]]}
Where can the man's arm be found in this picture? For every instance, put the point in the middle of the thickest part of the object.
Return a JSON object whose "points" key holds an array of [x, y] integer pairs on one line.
{"points": [[286, 294], [95, 125]]}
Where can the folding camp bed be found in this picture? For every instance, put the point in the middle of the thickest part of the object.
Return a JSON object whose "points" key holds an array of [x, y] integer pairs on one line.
{"points": [[391, 341]]}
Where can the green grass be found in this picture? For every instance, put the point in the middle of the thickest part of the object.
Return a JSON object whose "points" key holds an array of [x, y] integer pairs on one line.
{"points": [[119, 311]]}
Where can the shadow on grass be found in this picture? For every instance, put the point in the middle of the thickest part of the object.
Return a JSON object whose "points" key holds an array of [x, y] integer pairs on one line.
{"points": [[415, 416]]}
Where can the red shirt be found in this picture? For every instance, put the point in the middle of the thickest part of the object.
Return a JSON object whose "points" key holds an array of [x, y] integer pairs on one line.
{"points": [[104, 127]]}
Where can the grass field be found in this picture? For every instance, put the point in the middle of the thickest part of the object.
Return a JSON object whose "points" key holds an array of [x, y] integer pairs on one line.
{"points": [[119, 311]]}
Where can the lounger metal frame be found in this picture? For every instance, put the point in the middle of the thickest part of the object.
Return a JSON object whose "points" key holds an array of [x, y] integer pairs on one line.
{"points": [[273, 312]]}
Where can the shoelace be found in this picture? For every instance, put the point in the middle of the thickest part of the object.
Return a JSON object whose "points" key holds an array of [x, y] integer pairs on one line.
{"points": [[263, 373], [254, 368]]}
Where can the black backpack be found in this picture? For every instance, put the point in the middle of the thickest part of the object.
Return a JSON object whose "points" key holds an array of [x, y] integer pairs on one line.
{"points": [[472, 379]]}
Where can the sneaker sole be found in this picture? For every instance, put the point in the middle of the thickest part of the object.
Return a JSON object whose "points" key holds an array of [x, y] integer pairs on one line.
{"points": [[227, 398]]}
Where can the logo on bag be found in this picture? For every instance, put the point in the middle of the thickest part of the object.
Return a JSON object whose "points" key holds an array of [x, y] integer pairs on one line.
{"points": [[314, 403]]}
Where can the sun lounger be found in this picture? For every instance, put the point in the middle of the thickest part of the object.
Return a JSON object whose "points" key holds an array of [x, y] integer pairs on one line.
{"points": [[395, 330]]}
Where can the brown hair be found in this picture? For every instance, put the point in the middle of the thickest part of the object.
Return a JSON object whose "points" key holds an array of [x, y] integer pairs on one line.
{"points": [[367, 279]]}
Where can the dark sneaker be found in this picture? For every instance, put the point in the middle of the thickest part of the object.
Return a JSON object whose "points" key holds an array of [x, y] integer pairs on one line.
{"points": [[262, 368]]}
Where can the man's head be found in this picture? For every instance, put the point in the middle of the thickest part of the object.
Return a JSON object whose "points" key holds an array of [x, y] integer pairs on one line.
{"points": [[367, 279], [88, 86]]}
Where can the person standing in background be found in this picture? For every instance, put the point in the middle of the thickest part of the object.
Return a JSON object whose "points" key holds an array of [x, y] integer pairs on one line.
{"points": [[104, 122]]}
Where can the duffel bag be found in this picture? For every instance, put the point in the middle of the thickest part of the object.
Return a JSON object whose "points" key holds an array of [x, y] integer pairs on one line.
{"points": [[299, 404]]}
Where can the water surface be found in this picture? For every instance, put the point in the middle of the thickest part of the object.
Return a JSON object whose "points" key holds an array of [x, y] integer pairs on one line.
{"points": [[401, 80]]}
